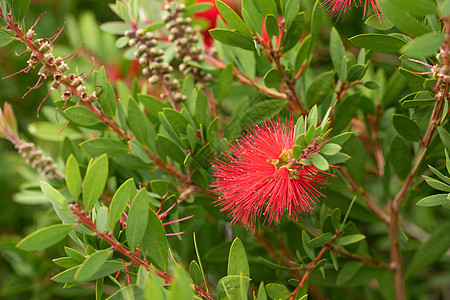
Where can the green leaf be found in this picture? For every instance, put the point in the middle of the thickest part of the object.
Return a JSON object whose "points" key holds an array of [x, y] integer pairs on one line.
{"points": [[154, 26], [262, 292], [348, 271], [139, 150], [308, 249], [445, 137], [177, 120], [319, 161], [433, 200], [272, 78], [110, 146], [320, 88], [266, 7], [400, 157], [142, 277], [406, 127], [374, 22], [59, 203], [137, 219], [416, 83], [233, 287], [444, 8], [356, 72], [418, 98], [337, 53], [120, 200], [19, 9], [436, 184], [73, 177], [135, 119], [171, 149], [155, 241], [330, 149], [108, 267], [320, 240], [66, 262], [101, 220], [425, 45], [419, 8], [316, 24], [115, 27], [232, 18], [232, 38], [181, 288], [302, 53], [371, 85], [350, 239], [45, 237], [251, 16], [6, 37], [237, 260], [293, 33], [107, 96], [198, 7], [340, 139], [225, 81], [291, 11], [81, 115], [272, 26], [195, 272], [398, 15], [430, 251], [91, 265], [277, 291], [95, 180], [440, 175], [122, 41], [378, 42]]}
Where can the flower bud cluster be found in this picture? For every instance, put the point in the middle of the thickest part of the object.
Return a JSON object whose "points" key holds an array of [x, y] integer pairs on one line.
{"points": [[152, 61], [185, 38], [35, 158], [50, 66]]}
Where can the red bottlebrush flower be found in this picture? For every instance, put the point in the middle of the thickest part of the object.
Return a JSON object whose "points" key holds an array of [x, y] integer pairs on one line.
{"points": [[209, 16], [259, 176], [337, 7]]}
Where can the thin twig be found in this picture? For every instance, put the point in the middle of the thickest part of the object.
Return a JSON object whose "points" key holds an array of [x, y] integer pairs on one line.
{"points": [[242, 78], [313, 264], [372, 206], [365, 260]]}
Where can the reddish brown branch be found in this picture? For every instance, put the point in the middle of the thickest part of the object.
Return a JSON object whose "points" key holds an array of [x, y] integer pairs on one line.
{"points": [[313, 264], [85, 219], [372, 206], [377, 151], [242, 78], [365, 260]]}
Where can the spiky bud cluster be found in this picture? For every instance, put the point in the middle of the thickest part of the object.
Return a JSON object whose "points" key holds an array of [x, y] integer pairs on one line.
{"points": [[185, 38], [50, 66], [35, 158], [152, 61]]}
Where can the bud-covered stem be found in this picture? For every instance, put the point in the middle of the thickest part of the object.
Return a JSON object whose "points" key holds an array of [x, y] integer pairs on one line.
{"points": [[52, 68], [83, 218]]}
